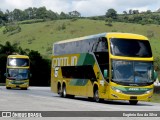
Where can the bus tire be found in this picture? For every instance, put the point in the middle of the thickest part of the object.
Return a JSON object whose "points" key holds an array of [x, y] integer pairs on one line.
{"points": [[24, 88], [133, 102], [64, 93], [96, 96], [59, 90]]}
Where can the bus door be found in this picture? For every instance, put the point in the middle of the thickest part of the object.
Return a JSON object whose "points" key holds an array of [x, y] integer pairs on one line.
{"points": [[103, 63]]}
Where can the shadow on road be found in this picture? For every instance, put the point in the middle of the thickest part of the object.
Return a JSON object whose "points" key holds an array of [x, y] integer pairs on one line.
{"points": [[112, 102]]}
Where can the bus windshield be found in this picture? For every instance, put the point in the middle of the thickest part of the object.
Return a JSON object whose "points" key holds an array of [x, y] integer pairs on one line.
{"points": [[132, 72], [17, 74], [130, 47], [18, 62]]}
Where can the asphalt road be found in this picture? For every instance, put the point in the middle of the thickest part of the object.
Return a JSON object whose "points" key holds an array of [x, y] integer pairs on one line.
{"points": [[42, 99]]}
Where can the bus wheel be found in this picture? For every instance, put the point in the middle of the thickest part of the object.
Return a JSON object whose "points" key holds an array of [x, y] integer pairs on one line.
{"points": [[133, 102], [24, 88], [59, 91], [64, 93], [96, 97]]}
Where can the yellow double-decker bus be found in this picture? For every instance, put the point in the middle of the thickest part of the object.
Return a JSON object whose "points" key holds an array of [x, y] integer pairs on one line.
{"points": [[17, 71], [113, 66]]}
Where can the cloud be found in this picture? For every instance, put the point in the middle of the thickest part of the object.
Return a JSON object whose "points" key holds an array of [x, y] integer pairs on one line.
{"points": [[85, 7], [12, 4]]}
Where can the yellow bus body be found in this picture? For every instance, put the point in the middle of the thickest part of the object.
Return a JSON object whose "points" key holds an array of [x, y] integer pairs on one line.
{"points": [[23, 83], [86, 87]]}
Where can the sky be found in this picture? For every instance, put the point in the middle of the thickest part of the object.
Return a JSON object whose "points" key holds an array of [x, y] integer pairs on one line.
{"points": [[85, 7]]}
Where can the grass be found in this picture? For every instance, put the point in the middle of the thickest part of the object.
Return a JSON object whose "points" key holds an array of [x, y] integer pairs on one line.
{"points": [[41, 36], [156, 95], [155, 98]]}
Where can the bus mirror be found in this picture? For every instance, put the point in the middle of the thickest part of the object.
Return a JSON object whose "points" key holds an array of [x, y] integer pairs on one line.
{"points": [[105, 74], [92, 79], [6, 74], [155, 75]]}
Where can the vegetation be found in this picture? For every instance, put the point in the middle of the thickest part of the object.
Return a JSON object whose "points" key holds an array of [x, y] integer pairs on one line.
{"points": [[156, 94], [34, 13]]}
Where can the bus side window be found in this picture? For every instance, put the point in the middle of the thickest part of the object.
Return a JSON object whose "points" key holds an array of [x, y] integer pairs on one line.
{"points": [[78, 72]]}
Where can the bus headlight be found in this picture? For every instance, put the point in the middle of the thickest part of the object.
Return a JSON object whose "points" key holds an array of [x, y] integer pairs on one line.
{"points": [[117, 90], [26, 83], [149, 91], [9, 82]]}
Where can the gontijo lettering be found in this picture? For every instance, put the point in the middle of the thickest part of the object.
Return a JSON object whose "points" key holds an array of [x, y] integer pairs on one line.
{"points": [[64, 61]]}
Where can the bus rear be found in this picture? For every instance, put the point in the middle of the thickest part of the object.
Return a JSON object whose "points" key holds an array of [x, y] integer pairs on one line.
{"points": [[17, 72]]}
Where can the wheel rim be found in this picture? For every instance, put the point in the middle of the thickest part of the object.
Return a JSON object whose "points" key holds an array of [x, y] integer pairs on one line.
{"points": [[64, 91], [96, 96]]}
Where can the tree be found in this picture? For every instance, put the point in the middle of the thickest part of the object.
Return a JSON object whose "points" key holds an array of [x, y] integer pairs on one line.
{"points": [[8, 48], [41, 13], [3, 60], [40, 69], [52, 15], [111, 13], [29, 13], [130, 11], [3, 17], [125, 12], [148, 11], [108, 21], [74, 14], [135, 11], [63, 15], [17, 14]]}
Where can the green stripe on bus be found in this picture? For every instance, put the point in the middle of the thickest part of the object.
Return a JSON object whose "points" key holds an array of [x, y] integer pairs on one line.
{"points": [[132, 89], [86, 59]]}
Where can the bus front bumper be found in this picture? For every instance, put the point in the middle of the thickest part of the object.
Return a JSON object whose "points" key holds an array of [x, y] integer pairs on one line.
{"points": [[118, 95], [15, 84]]}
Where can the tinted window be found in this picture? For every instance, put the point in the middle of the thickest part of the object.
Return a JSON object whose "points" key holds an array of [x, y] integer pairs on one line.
{"points": [[79, 72], [98, 44], [134, 72], [130, 48], [18, 62], [17, 74]]}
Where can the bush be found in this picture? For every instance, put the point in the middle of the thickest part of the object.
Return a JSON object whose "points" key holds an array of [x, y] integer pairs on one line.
{"points": [[157, 89], [61, 27], [12, 29], [32, 21], [74, 19]]}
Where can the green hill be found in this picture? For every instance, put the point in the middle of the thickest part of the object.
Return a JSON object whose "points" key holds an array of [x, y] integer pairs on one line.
{"points": [[41, 36]]}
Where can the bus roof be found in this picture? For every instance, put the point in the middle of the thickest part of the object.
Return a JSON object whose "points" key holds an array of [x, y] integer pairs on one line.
{"points": [[110, 35], [82, 38], [18, 56]]}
